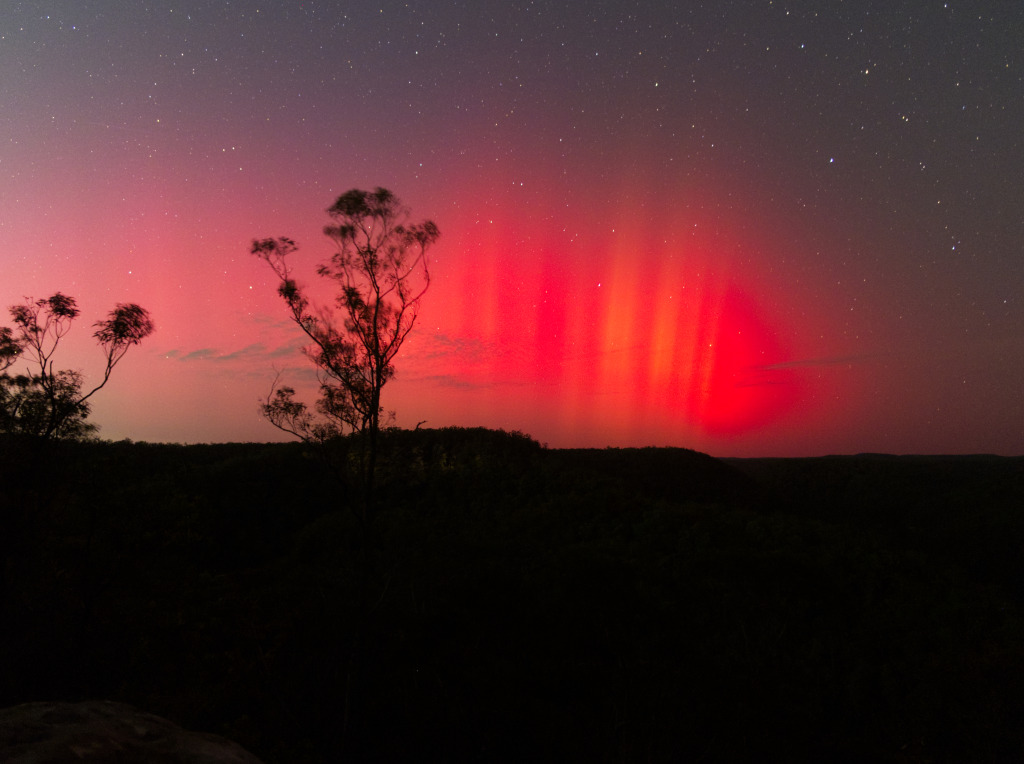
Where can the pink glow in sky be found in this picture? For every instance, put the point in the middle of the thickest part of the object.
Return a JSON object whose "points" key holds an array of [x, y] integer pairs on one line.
{"points": [[659, 227]]}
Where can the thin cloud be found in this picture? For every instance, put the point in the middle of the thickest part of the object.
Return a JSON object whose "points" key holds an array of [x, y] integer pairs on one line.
{"points": [[253, 352], [197, 355], [455, 382], [444, 346], [848, 360]]}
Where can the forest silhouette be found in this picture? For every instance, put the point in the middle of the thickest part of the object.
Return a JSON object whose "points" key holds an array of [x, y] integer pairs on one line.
{"points": [[525, 603]]}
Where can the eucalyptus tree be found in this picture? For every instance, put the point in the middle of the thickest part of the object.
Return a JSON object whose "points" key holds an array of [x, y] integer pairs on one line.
{"points": [[379, 272], [43, 400], [41, 403]]}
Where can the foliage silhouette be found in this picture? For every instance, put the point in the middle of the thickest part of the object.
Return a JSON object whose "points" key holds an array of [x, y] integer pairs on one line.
{"points": [[43, 406], [541, 605], [9, 348], [47, 402], [381, 273], [380, 270]]}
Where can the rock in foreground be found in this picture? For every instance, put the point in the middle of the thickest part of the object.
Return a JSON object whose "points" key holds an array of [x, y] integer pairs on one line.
{"points": [[102, 731]]}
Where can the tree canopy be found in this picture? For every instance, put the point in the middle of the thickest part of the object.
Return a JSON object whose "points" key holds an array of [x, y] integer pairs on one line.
{"points": [[43, 400], [381, 273]]}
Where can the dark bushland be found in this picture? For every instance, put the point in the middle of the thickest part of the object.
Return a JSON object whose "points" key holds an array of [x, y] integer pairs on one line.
{"points": [[525, 604]]}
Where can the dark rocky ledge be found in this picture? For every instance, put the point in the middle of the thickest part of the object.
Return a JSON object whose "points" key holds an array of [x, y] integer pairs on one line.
{"points": [[103, 731]]}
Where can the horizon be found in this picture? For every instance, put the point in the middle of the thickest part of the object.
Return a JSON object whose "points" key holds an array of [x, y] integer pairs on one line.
{"points": [[752, 231], [546, 447]]}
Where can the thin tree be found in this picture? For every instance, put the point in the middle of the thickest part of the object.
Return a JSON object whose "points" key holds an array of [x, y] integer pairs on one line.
{"points": [[47, 404], [46, 401], [381, 273]]}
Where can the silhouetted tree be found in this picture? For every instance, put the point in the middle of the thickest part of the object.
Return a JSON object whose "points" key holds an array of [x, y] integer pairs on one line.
{"points": [[380, 269], [10, 349], [43, 404], [45, 401]]}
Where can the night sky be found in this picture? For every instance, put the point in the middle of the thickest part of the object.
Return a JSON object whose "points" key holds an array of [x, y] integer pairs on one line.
{"points": [[750, 227]]}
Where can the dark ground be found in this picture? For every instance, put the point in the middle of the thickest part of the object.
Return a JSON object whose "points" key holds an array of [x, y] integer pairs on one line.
{"points": [[525, 604]]}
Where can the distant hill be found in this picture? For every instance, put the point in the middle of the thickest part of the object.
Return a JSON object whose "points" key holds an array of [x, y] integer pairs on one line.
{"points": [[671, 474]]}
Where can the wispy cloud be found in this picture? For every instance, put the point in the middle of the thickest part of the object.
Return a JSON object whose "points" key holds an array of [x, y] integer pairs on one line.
{"points": [[455, 382], [443, 346], [256, 351], [848, 360], [195, 355]]}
